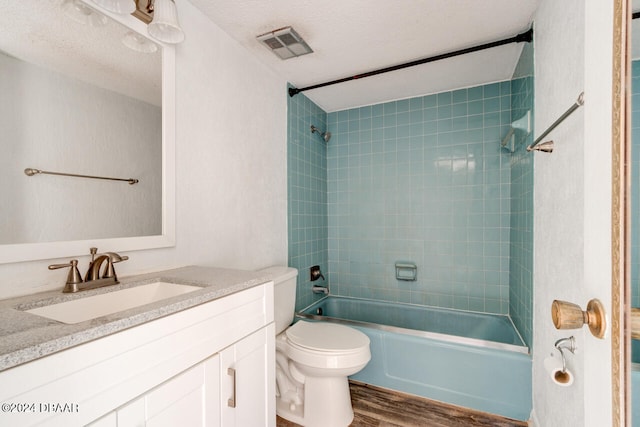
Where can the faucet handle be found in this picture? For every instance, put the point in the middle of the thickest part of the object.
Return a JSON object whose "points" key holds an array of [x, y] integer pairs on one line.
{"points": [[114, 258], [73, 278]]}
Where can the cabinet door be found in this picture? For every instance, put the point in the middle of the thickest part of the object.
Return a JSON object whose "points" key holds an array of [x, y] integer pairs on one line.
{"points": [[247, 382], [190, 399]]}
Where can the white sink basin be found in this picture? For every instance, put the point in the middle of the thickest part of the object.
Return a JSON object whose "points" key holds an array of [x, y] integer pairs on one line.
{"points": [[82, 309]]}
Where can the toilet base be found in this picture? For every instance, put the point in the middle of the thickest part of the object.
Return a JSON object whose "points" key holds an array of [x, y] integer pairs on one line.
{"points": [[290, 412], [327, 402]]}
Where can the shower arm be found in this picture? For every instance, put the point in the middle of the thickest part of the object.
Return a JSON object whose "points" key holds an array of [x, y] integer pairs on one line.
{"points": [[326, 136]]}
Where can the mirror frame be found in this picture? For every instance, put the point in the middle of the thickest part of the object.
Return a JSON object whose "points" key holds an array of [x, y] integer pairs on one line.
{"points": [[620, 216], [50, 250]]}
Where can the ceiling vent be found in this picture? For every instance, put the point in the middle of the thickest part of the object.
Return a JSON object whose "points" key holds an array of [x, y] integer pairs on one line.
{"points": [[285, 43]]}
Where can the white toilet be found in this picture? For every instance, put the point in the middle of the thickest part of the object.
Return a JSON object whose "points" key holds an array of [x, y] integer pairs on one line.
{"points": [[313, 361]]}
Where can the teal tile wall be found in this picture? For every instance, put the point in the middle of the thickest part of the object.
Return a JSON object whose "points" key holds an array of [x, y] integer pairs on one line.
{"points": [[422, 180], [307, 194], [635, 184], [521, 239]]}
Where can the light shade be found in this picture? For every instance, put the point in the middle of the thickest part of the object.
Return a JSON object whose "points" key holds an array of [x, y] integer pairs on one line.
{"points": [[164, 26], [139, 43], [117, 6], [80, 12]]}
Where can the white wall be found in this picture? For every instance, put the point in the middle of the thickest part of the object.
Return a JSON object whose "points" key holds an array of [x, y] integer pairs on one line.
{"points": [[598, 156], [572, 202], [230, 159], [53, 122]]}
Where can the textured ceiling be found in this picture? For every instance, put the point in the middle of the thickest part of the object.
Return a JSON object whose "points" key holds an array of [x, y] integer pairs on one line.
{"points": [[356, 36], [38, 32], [348, 37]]}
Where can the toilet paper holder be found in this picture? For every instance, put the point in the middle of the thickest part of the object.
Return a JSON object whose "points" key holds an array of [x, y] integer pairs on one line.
{"points": [[560, 374], [565, 344]]}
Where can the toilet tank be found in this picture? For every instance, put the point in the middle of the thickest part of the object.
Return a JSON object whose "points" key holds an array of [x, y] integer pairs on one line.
{"points": [[284, 289]]}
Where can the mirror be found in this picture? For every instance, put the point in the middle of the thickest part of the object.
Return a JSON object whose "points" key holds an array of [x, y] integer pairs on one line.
{"points": [[76, 100]]}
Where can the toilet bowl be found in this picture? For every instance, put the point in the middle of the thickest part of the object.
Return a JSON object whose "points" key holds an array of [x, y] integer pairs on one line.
{"points": [[313, 361], [317, 358]]}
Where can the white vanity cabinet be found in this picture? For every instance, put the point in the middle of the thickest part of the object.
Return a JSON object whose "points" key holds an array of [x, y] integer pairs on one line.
{"points": [[189, 399], [210, 365], [247, 392]]}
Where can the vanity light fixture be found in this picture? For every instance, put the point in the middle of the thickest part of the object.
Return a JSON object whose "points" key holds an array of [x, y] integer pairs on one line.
{"points": [[165, 26], [80, 12], [117, 6], [285, 43], [139, 43], [161, 17]]}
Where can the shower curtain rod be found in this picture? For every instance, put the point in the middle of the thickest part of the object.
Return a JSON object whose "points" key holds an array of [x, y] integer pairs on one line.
{"points": [[547, 147], [527, 36]]}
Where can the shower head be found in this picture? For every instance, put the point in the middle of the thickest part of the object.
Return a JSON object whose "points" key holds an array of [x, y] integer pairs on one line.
{"points": [[325, 135]]}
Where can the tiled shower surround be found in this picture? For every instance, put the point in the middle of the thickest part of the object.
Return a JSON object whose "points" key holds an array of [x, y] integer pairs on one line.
{"points": [[521, 236], [420, 180], [307, 194]]}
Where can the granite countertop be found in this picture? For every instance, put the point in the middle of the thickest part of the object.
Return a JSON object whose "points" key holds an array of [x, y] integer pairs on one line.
{"points": [[25, 337]]}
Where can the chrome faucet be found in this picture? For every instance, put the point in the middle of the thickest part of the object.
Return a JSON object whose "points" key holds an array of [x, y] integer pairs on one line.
{"points": [[320, 290], [92, 279], [93, 272], [316, 274]]}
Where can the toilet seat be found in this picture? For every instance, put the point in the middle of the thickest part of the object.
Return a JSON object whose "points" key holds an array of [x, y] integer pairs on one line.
{"points": [[323, 337]]}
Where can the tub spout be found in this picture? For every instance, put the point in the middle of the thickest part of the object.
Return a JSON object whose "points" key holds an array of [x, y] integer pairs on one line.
{"points": [[320, 290]]}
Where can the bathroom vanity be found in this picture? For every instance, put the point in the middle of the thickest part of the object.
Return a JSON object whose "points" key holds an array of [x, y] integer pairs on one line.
{"points": [[202, 358]]}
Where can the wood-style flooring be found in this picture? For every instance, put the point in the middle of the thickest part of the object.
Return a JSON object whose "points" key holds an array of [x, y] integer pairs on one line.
{"points": [[378, 407]]}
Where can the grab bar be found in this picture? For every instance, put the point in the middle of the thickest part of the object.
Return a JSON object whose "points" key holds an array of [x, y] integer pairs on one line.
{"points": [[31, 172], [547, 147]]}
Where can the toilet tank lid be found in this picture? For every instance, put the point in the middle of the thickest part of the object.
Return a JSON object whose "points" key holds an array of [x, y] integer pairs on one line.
{"points": [[279, 273]]}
